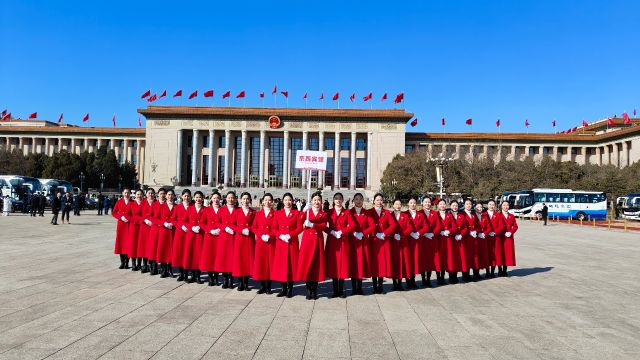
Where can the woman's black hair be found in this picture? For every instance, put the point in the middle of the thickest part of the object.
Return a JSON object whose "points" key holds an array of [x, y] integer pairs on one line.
{"points": [[338, 194], [493, 201], [186, 191], [397, 199], [139, 190], [126, 188], [171, 191], [318, 194], [245, 193], [378, 194], [441, 200], [412, 197], [265, 195], [162, 190], [469, 200], [454, 201], [427, 197], [287, 194], [150, 189], [358, 194], [232, 193], [198, 192], [215, 192]]}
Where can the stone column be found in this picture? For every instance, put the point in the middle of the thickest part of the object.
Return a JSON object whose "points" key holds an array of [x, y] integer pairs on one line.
{"points": [[369, 146], [127, 152], [46, 146], [285, 161], [243, 160], [263, 136], [321, 148], [598, 155], [178, 158], [227, 155], [336, 162], [194, 157], [33, 145], [73, 145], [352, 182], [615, 158], [305, 136], [212, 155], [140, 162]]}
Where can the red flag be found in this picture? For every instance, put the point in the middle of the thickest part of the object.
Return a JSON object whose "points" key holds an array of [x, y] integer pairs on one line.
{"points": [[625, 116], [553, 123], [575, 128], [285, 93], [152, 98], [584, 123], [146, 93], [262, 94], [178, 93], [414, 122], [368, 97], [193, 94], [139, 121], [634, 111], [241, 94], [3, 113], [275, 90], [113, 120], [33, 115], [399, 98], [227, 94], [468, 121], [164, 93], [610, 122], [321, 96], [336, 96], [498, 123], [85, 118], [6, 116], [208, 93], [526, 123], [305, 95], [352, 97], [442, 121], [60, 119], [384, 97]]}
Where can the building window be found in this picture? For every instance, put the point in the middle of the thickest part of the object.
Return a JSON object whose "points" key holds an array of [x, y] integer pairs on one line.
{"points": [[221, 141], [205, 141], [254, 167], [408, 149], [345, 143], [546, 150], [238, 162], [361, 144], [329, 143], [313, 144], [533, 150], [134, 144], [361, 172], [296, 144], [344, 172], [205, 169], [221, 163], [120, 159], [120, 143], [328, 178], [276, 149], [189, 141]]}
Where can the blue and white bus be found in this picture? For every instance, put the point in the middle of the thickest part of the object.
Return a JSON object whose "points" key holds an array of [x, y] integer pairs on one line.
{"points": [[563, 203]]}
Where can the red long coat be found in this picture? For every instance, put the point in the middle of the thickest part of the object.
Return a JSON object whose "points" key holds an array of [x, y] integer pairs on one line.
{"points": [[481, 259], [496, 225], [152, 237], [209, 244], [456, 259], [311, 257], [446, 223], [285, 261], [360, 266], [401, 257], [179, 237], [505, 247], [144, 230], [243, 245], [470, 243], [193, 241], [120, 209], [418, 247], [224, 245], [432, 252], [337, 252], [165, 236], [380, 249], [134, 229], [264, 251]]}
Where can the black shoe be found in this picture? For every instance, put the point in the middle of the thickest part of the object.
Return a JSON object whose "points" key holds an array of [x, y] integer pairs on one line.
{"points": [[263, 287], [354, 286], [144, 269], [190, 279], [182, 276], [225, 282], [163, 271], [314, 288], [216, 279], [269, 287], [308, 297], [336, 289], [341, 288], [122, 257], [290, 289], [210, 277], [359, 287], [198, 278], [283, 291]]}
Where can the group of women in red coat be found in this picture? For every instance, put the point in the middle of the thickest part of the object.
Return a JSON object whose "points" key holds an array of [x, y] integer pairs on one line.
{"points": [[289, 245]]}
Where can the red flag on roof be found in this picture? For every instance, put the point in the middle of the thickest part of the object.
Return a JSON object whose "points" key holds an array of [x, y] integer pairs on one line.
{"points": [[6, 116], [305, 95], [139, 121], [321, 96], [285, 93], [241, 94], [584, 123], [178, 93], [498, 123], [193, 94], [414, 122], [384, 97], [368, 97], [526, 123], [442, 121], [625, 116], [399, 98], [145, 94], [275, 89], [553, 123], [208, 93], [610, 122], [262, 94], [574, 129], [33, 115], [3, 113], [152, 98], [352, 97], [85, 118], [468, 121], [336, 96], [60, 119], [164, 93], [227, 94], [113, 120]]}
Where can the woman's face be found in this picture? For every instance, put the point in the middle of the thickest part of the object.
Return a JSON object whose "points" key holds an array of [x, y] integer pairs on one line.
{"points": [[491, 206], [454, 207], [441, 206], [505, 206], [231, 200], [171, 196], [358, 201], [316, 202], [397, 205], [413, 204], [479, 208], [139, 195], [186, 198], [377, 202], [337, 201], [150, 195], [467, 205], [162, 196], [125, 194], [288, 202], [245, 200], [198, 199], [426, 203], [215, 200], [267, 202]]}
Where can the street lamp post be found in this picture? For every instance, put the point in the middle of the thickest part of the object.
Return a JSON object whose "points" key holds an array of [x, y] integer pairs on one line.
{"points": [[440, 161], [81, 180], [101, 182], [119, 183]]}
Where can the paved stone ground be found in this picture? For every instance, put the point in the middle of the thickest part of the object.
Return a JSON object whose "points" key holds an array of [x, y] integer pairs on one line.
{"points": [[574, 295]]}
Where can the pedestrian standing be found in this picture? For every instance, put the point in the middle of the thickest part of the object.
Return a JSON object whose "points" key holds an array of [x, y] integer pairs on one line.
{"points": [[545, 213], [67, 204], [55, 208]]}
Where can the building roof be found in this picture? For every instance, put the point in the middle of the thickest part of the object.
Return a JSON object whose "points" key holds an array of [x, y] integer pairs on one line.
{"points": [[72, 131], [286, 113]]}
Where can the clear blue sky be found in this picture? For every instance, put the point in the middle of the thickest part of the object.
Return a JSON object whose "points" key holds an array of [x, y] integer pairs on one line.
{"points": [[512, 60]]}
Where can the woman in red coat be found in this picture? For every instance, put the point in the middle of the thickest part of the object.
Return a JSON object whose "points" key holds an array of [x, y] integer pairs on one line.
{"points": [[263, 228], [481, 260], [493, 233], [384, 227], [224, 245], [360, 267], [152, 238], [469, 241], [146, 225], [401, 261], [337, 250], [134, 230], [505, 249], [212, 232], [181, 224], [166, 230], [287, 228], [197, 215], [243, 242], [417, 242], [456, 259], [311, 257], [122, 212], [447, 227], [431, 253]]}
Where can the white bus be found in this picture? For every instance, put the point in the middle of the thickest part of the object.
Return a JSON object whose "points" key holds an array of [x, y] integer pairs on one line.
{"points": [[563, 203]]}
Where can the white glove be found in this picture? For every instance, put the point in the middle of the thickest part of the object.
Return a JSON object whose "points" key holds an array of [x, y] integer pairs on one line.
{"points": [[124, 218], [265, 238], [491, 233], [229, 230], [195, 229], [396, 237], [245, 232], [474, 233], [184, 228], [285, 237], [507, 234], [481, 235], [458, 237], [338, 234], [447, 232], [306, 207], [415, 235], [214, 232], [148, 222], [429, 235], [308, 224], [358, 235], [168, 225], [380, 236], [333, 233]]}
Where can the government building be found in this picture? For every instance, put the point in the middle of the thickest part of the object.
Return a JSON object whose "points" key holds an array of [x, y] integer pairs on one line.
{"points": [[256, 147]]}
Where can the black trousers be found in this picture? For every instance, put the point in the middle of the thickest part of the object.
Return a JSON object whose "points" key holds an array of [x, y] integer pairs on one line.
{"points": [[545, 217], [65, 212], [54, 220]]}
